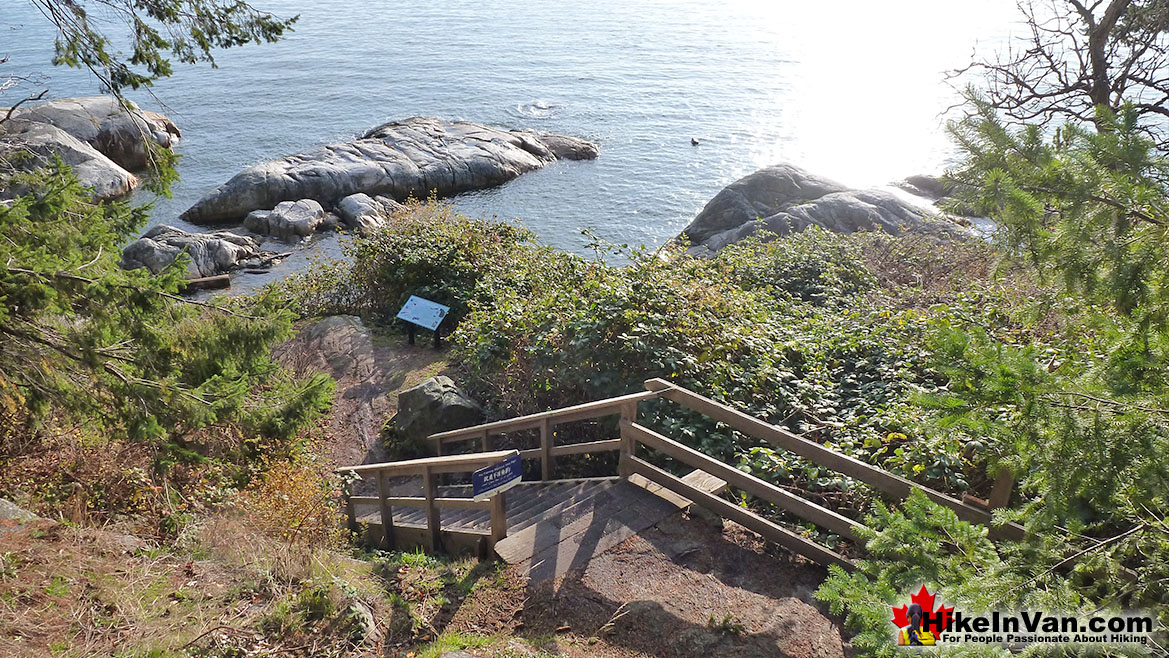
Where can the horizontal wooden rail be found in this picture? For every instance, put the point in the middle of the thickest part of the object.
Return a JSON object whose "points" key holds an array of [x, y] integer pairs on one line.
{"points": [[585, 411], [822, 516], [878, 478], [447, 464], [429, 469], [740, 515], [420, 501]]}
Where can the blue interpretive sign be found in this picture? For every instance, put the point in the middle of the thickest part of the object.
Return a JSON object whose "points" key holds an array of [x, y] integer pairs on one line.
{"points": [[497, 478], [423, 312]]}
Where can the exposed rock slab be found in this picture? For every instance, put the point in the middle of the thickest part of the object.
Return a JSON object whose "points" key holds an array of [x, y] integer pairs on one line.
{"points": [[41, 141], [362, 213], [119, 133], [368, 373], [784, 198], [290, 220], [399, 159], [210, 253], [435, 405]]}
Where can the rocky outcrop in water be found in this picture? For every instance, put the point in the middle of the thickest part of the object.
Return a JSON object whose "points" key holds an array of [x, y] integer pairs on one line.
{"points": [[121, 134], [95, 136], [210, 253], [784, 198], [26, 145], [413, 157], [291, 220], [362, 213]]}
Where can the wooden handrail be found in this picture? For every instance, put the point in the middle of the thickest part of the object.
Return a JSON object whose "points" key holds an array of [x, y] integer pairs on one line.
{"points": [[606, 407], [429, 468], [447, 464], [740, 515], [822, 516], [878, 478]]}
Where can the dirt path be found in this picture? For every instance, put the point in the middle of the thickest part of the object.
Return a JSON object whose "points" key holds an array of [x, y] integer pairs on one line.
{"points": [[680, 589], [370, 369]]}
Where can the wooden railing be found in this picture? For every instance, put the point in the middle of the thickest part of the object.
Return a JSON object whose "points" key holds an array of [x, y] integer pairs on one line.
{"points": [[625, 406], [633, 436], [429, 469]]}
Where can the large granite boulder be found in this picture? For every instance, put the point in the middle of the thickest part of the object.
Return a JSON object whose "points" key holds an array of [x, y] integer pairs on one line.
{"points": [[784, 198], [120, 133], [435, 405], [26, 145], [290, 220], [416, 157], [210, 253], [362, 213]]}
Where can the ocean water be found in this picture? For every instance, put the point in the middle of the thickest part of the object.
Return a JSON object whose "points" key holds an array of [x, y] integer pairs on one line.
{"points": [[851, 89]]}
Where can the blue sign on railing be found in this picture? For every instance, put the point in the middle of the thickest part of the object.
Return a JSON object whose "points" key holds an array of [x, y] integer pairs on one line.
{"points": [[497, 478]]}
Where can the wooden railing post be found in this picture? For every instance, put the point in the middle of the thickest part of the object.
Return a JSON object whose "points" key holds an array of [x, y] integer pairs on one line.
{"points": [[1000, 492], [387, 512], [433, 520], [498, 519], [628, 417], [350, 512], [545, 449]]}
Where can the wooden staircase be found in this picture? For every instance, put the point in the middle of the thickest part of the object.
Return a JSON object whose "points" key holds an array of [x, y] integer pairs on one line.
{"points": [[551, 525]]}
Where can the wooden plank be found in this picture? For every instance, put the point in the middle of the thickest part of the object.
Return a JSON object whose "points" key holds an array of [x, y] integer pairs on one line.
{"points": [[607, 445], [217, 281], [1000, 492], [350, 513], [628, 449], [552, 529], [545, 449], [584, 411], [433, 520], [743, 517], [444, 503], [498, 519], [468, 540], [447, 464], [878, 478], [821, 516], [609, 522], [696, 478], [386, 512]]}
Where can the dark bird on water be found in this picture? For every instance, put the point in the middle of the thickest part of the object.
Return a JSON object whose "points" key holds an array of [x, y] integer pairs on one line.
{"points": [[693, 142]]}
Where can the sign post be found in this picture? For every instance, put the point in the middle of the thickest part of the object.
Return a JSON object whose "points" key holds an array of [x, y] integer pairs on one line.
{"points": [[497, 478], [419, 312]]}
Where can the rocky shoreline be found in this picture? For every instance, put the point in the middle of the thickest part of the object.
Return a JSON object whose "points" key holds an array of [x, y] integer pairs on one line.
{"points": [[357, 184]]}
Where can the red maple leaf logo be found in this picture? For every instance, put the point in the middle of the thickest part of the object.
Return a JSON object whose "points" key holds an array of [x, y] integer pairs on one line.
{"points": [[926, 601]]}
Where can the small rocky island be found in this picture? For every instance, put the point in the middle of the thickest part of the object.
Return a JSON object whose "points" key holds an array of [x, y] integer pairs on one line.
{"points": [[786, 199], [102, 140], [414, 157]]}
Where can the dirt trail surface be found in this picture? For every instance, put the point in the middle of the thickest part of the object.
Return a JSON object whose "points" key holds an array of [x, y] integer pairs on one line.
{"points": [[680, 589], [370, 369]]}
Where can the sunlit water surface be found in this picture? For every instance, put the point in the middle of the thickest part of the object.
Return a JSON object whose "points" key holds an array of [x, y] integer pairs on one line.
{"points": [[851, 89]]}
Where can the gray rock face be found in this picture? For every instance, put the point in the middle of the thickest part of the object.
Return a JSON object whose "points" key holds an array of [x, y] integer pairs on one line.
{"points": [[211, 254], [435, 405], [9, 511], [103, 123], [41, 141], [289, 220], [412, 157], [784, 198], [361, 212]]}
